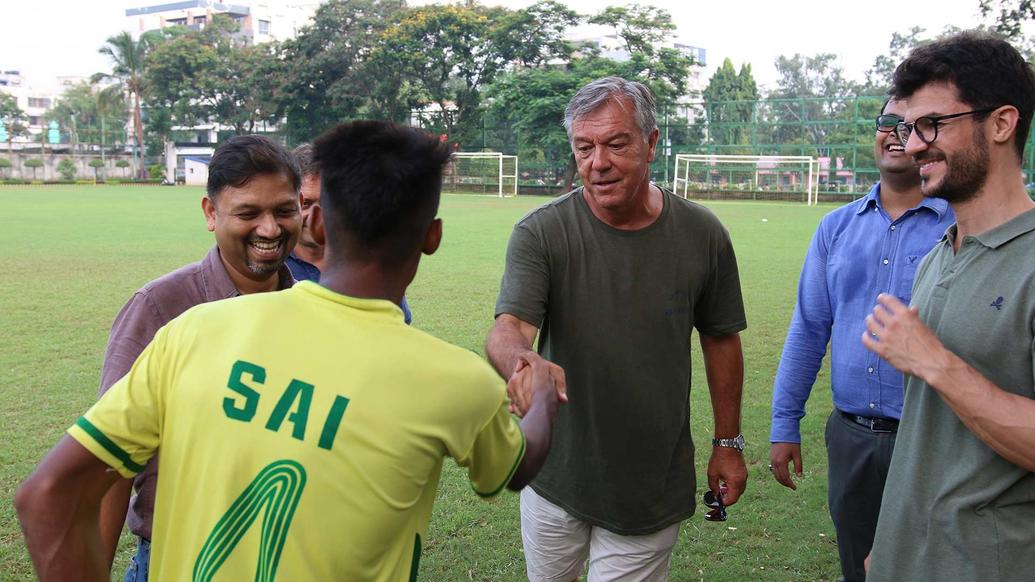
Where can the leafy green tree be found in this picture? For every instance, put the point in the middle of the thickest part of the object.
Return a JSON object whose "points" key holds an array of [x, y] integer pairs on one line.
{"points": [[127, 57], [88, 108], [96, 164], [811, 91], [33, 163], [13, 118], [66, 167], [122, 164], [5, 165], [329, 78], [643, 31], [1010, 16], [730, 101]]}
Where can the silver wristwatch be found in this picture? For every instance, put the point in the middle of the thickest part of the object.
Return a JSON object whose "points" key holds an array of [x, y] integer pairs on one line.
{"points": [[734, 443]]}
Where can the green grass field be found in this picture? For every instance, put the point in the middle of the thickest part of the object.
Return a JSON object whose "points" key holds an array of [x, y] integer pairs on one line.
{"points": [[75, 254]]}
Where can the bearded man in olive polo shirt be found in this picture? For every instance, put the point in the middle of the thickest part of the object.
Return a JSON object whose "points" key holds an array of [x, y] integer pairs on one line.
{"points": [[960, 497], [252, 207]]}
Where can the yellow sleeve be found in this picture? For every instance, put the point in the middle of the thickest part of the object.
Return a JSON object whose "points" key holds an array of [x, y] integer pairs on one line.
{"points": [[123, 428], [497, 451]]}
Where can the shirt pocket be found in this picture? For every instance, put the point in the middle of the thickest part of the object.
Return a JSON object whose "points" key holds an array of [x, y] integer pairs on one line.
{"points": [[902, 286]]}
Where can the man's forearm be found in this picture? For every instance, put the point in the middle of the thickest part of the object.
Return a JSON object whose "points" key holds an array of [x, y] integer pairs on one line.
{"points": [[505, 346], [113, 516], [1002, 420], [724, 367], [537, 425]]}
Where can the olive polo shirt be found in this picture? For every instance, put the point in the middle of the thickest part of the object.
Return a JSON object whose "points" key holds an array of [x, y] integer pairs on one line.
{"points": [[953, 509]]}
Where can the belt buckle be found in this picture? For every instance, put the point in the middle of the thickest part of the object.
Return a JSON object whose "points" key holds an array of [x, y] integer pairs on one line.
{"points": [[873, 426]]}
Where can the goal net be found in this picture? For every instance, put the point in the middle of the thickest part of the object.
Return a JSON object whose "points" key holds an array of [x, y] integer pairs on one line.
{"points": [[481, 173], [750, 177]]}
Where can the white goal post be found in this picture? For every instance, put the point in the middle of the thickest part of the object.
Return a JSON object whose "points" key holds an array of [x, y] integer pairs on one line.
{"points": [[743, 174], [482, 173]]}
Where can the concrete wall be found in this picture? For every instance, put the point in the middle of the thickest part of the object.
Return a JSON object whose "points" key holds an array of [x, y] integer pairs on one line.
{"points": [[51, 161]]}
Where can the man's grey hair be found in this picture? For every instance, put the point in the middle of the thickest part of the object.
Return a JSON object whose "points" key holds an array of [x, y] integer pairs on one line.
{"points": [[613, 90], [303, 154]]}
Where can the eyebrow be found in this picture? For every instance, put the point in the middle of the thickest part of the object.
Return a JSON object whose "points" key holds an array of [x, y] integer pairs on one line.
{"points": [[608, 139]]}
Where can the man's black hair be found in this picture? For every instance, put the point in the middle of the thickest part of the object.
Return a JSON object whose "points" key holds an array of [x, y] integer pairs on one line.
{"points": [[986, 71], [242, 157], [380, 184], [304, 156]]}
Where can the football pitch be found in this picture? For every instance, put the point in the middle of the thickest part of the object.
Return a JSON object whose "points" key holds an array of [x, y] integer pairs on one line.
{"points": [[75, 254]]}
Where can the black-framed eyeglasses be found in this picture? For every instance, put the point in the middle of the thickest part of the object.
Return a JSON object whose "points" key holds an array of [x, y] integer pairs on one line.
{"points": [[886, 122], [926, 128], [716, 509]]}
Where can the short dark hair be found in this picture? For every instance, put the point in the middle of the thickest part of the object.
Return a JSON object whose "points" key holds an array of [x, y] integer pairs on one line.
{"points": [[242, 157], [380, 185], [986, 70], [304, 156]]}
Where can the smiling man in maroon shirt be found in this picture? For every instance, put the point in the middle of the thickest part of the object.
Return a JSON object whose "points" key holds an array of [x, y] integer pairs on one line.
{"points": [[252, 207]]}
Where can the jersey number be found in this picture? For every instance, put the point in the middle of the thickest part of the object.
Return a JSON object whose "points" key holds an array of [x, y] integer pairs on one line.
{"points": [[273, 494]]}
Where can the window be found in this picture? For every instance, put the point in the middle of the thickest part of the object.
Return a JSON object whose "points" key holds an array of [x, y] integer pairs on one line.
{"points": [[34, 120], [177, 21], [199, 21], [41, 102], [264, 27]]}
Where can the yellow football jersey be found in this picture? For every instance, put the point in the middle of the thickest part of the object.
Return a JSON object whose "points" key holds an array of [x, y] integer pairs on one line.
{"points": [[301, 436]]}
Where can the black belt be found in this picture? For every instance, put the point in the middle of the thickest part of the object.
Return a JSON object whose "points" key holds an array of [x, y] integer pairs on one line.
{"points": [[874, 424]]}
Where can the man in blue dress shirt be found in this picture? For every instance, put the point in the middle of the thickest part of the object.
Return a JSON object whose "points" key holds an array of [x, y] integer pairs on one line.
{"points": [[859, 251]]}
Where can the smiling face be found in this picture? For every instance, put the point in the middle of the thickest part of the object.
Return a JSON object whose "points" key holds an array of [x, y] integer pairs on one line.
{"points": [[889, 152], [256, 226], [613, 156]]}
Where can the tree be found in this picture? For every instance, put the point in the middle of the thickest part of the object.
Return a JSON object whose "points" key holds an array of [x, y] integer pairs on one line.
{"points": [[127, 56], [5, 164], [1010, 16], [86, 108], [811, 91], [123, 164], [66, 167], [644, 30], [33, 163], [96, 164], [730, 101], [330, 79], [14, 121]]}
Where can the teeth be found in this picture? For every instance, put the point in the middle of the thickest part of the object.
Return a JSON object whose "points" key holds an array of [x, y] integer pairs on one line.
{"points": [[264, 245]]}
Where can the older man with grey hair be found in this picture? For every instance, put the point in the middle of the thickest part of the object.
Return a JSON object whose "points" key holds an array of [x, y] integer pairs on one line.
{"points": [[614, 277]]}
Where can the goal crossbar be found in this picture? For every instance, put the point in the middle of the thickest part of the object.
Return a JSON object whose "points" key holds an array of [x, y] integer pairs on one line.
{"points": [[682, 181]]}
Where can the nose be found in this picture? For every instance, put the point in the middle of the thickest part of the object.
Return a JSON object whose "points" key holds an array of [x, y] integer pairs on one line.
{"points": [[914, 144], [267, 226], [601, 159]]}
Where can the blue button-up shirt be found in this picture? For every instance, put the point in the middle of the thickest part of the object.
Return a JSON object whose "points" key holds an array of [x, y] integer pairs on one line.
{"points": [[857, 253]]}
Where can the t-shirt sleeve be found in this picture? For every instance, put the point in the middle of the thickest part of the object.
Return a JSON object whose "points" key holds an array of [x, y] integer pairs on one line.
{"points": [[497, 451], [525, 287], [720, 309], [134, 327], [123, 428]]}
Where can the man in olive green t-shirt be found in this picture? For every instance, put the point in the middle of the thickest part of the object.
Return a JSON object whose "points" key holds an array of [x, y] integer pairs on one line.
{"points": [[614, 277], [960, 497]]}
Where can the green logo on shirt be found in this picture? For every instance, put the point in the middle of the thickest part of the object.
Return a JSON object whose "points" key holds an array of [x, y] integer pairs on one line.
{"points": [[273, 494]]}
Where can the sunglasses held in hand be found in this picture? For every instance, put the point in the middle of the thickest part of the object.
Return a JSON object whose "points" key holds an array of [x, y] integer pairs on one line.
{"points": [[716, 509]]}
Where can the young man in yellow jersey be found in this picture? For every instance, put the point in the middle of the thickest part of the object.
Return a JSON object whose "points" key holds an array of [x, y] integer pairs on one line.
{"points": [[294, 445]]}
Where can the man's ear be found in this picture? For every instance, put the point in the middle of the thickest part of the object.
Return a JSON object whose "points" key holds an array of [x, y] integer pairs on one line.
{"points": [[432, 238], [316, 226], [209, 208], [1005, 123]]}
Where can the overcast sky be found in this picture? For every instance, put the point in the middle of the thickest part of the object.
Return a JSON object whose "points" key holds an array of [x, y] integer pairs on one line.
{"points": [[46, 38]]}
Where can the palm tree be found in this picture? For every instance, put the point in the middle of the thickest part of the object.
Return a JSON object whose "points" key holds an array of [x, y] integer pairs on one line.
{"points": [[127, 57]]}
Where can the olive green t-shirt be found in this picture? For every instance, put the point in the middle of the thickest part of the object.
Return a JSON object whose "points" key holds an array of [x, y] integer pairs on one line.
{"points": [[616, 310], [953, 509]]}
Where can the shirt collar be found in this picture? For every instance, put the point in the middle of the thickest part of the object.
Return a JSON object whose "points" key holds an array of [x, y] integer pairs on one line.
{"points": [[871, 200], [996, 237], [375, 307], [219, 285]]}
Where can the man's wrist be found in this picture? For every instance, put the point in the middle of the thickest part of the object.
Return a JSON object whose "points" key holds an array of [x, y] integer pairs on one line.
{"points": [[736, 442]]}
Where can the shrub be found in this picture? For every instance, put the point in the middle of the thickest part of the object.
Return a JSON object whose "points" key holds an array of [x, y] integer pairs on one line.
{"points": [[66, 167]]}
